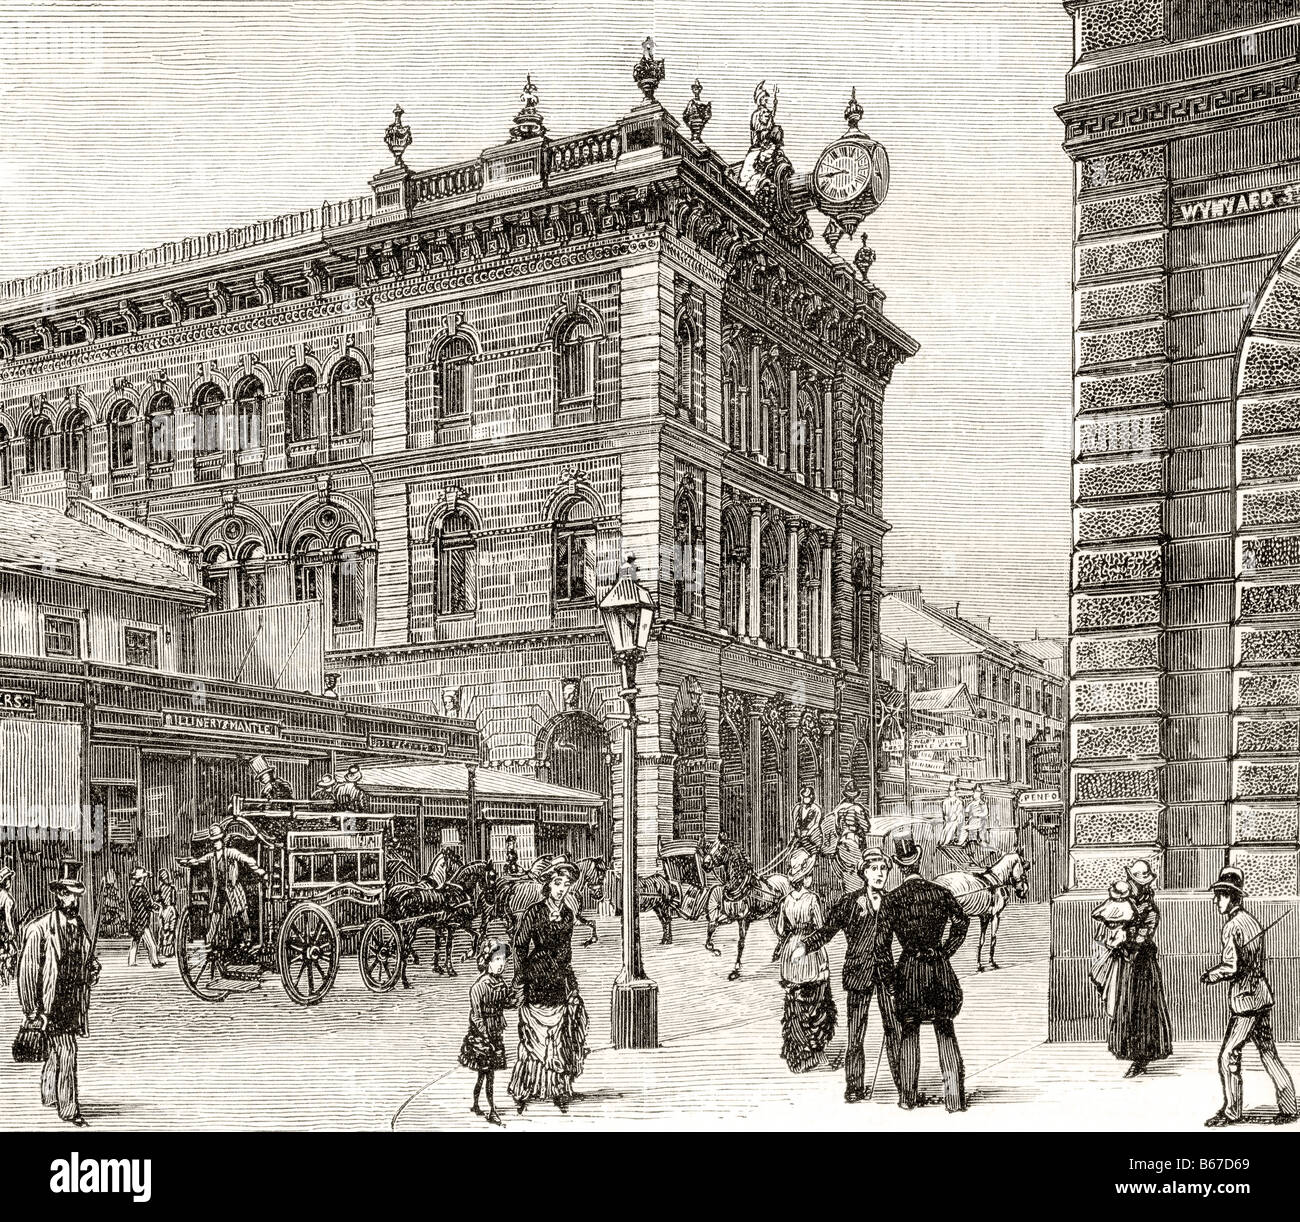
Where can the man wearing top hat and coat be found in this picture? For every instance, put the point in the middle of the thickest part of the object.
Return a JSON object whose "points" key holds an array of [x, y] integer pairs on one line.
{"points": [[229, 902], [1250, 1004], [55, 974], [867, 969], [139, 925], [925, 988]]}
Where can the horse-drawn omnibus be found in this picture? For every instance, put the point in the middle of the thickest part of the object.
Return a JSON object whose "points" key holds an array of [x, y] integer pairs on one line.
{"points": [[317, 881]]}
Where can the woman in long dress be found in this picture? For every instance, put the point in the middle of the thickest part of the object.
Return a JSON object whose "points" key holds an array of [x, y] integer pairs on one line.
{"points": [[808, 1019], [1140, 1031], [552, 1018]]}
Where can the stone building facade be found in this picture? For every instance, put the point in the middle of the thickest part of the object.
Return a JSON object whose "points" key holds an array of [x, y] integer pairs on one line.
{"points": [[450, 411], [1183, 120]]}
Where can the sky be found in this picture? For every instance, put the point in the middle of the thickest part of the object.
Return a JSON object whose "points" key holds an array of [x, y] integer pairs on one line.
{"points": [[128, 124]]}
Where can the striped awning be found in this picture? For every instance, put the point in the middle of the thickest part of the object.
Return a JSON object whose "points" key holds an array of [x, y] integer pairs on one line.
{"points": [[490, 785]]}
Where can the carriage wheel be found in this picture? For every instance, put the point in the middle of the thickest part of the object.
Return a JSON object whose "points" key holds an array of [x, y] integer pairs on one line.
{"points": [[309, 953], [200, 968], [380, 956]]}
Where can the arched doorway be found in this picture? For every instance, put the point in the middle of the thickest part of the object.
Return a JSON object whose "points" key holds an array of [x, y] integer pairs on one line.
{"points": [[732, 750], [573, 750], [772, 780]]}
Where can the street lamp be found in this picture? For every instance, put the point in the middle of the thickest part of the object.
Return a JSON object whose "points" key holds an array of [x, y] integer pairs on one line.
{"points": [[628, 610]]}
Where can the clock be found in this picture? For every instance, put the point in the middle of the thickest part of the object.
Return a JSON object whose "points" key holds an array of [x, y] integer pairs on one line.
{"points": [[852, 175]]}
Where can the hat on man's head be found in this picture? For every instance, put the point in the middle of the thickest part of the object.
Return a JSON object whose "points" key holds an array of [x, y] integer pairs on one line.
{"points": [[1231, 881], [216, 832], [6, 871], [1141, 873], [353, 773], [327, 781], [871, 856], [1121, 890], [851, 789], [259, 766], [69, 880], [138, 873], [906, 851], [807, 789]]}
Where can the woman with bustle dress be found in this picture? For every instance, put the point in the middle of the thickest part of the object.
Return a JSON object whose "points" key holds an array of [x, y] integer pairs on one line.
{"points": [[1140, 1031], [808, 1017], [552, 1017]]}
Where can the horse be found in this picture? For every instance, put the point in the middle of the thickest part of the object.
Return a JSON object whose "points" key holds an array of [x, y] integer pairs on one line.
{"points": [[986, 894], [514, 896], [470, 891], [453, 904], [740, 895], [664, 897]]}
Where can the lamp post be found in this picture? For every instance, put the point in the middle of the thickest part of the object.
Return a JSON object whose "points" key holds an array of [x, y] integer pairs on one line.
{"points": [[628, 610]]}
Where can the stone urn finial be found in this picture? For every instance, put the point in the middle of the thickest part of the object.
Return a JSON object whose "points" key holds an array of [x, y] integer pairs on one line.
{"points": [[648, 71], [853, 111], [398, 137], [528, 122], [697, 113]]}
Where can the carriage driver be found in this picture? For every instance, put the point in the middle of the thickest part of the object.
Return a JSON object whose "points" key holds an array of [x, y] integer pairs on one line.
{"points": [[229, 903]]}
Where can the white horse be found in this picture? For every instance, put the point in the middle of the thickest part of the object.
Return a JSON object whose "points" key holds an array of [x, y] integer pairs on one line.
{"points": [[986, 894]]}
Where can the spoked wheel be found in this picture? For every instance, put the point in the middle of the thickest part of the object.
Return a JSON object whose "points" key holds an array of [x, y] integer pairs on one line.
{"points": [[309, 953], [380, 957], [200, 967]]}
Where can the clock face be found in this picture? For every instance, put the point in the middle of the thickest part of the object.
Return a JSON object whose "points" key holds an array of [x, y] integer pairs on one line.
{"points": [[851, 171]]}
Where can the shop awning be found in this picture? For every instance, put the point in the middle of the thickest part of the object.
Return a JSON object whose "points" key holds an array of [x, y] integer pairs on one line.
{"points": [[490, 785]]}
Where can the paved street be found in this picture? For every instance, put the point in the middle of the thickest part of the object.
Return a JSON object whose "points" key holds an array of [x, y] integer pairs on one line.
{"points": [[158, 1058]]}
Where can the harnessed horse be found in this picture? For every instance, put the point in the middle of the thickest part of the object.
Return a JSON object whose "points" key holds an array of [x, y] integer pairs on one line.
{"points": [[441, 906], [986, 894], [514, 896], [740, 896]]}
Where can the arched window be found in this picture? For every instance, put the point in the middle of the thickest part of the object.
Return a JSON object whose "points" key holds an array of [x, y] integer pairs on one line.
{"points": [[456, 377], [6, 464], [809, 578], [806, 439], [735, 549], [40, 446], [575, 361], [861, 463], [309, 560], [252, 575], [731, 404], [160, 435], [770, 430], [347, 581], [456, 559], [209, 408], [121, 437], [575, 554], [771, 576], [345, 399], [320, 566], [300, 406], [76, 443], [686, 542], [249, 398], [687, 390], [215, 574]]}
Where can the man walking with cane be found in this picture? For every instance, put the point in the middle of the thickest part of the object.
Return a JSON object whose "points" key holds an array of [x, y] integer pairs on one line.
{"points": [[866, 969], [1250, 1004]]}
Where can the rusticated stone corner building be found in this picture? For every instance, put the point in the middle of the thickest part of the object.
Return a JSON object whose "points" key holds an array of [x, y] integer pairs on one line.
{"points": [[449, 411], [1183, 120]]}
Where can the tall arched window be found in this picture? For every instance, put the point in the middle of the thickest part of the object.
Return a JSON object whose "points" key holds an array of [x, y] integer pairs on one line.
{"points": [[575, 554], [735, 546], [160, 434], [806, 439], [455, 377], [121, 437], [575, 361], [771, 576], [456, 559], [300, 405], [770, 429], [731, 404], [345, 399], [252, 575], [215, 573], [40, 446], [334, 566], [309, 559], [76, 443], [6, 459], [347, 581], [861, 463], [687, 390], [809, 578], [686, 543], [209, 408], [249, 398]]}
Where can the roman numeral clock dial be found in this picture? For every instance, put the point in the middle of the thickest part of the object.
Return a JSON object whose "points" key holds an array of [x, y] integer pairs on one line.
{"points": [[851, 177]]}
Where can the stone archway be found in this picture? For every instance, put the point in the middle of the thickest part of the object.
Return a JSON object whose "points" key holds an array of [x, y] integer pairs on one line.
{"points": [[573, 750]]}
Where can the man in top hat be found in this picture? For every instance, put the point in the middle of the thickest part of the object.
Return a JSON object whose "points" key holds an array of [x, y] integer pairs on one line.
{"points": [[925, 988], [143, 906], [867, 969], [57, 968], [8, 926], [229, 901], [273, 787], [1250, 1004]]}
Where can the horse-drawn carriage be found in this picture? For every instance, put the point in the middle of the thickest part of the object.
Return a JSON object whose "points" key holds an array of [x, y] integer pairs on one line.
{"points": [[320, 879]]}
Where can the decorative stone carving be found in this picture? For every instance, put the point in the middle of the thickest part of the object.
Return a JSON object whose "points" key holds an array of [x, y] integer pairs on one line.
{"points": [[1270, 646], [1123, 653], [1121, 169], [397, 135], [1265, 417], [1120, 390], [1121, 479], [1117, 567]]}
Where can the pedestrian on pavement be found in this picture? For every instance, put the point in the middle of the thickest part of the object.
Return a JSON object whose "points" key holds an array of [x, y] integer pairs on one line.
{"points": [[552, 1017], [167, 914], [925, 988], [110, 923], [1113, 920], [1250, 1004], [977, 822], [143, 906], [1140, 1032], [806, 828], [55, 975], [867, 969], [484, 1048], [808, 1017], [8, 926], [852, 827]]}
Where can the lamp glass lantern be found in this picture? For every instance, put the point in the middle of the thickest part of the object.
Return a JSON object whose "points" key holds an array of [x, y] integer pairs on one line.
{"points": [[628, 612]]}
